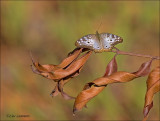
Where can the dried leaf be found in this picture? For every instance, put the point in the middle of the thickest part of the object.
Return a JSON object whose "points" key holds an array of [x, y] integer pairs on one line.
{"points": [[55, 91], [72, 68], [144, 69], [63, 64], [111, 67], [95, 87], [59, 89], [65, 95], [153, 86], [63, 70], [60, 85], [62, 73]]}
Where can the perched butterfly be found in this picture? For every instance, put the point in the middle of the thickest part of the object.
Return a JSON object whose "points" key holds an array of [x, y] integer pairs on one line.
{"points": [[99, 42]]}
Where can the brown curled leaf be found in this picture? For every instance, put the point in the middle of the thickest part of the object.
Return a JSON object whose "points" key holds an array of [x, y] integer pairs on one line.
{"points": [[55, 91], [59, 86], [111, 67], [153, 77], [62, 73], [72, 68], [76, 65], [95, 87], [59, 89], [153, 86], [63, 64], [144, 69]]}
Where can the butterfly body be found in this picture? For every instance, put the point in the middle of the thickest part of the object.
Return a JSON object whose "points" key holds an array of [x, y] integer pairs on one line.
{"points": [[103, 42]]}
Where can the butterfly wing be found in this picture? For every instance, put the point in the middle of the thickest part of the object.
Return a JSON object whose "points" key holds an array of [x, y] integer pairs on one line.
{"points": [[109, 40], [89, 41]]}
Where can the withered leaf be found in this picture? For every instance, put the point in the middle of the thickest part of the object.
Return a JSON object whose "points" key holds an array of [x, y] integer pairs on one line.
{"points": [[153, 86], [93, 88], [58, 72], [144, 69], [63, 64], [62, 73], [111, 67]]}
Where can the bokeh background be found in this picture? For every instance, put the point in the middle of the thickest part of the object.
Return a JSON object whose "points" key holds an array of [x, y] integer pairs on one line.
{"points": [[50, 29]]}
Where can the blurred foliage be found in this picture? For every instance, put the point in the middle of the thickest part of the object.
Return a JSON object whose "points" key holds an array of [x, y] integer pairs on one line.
{"points": [[50, 30]]}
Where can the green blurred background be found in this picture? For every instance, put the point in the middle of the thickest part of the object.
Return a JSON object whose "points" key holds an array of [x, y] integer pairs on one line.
{"points": [[50, 29]]}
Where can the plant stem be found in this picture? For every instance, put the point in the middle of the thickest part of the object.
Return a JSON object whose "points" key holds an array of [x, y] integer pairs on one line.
{"points": [[134, 54]]}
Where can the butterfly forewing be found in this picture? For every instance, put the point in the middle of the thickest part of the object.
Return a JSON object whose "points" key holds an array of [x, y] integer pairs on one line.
{"points": [[89, 41], [109, 40], [105, 40]]}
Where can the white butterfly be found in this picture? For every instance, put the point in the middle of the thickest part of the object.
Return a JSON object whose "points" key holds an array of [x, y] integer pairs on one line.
{"points": [[99, 42]]}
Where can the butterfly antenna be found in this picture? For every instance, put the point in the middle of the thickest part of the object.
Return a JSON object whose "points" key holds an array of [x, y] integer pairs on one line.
{"points": [[99, 25]]}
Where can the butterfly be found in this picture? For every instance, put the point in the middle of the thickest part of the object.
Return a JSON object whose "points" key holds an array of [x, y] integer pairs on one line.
{"points": [[103, 42]]}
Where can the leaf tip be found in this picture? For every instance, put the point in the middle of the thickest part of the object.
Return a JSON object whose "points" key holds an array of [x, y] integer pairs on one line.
{"points": [[147, 109], [74, 111], [34, 70]]}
